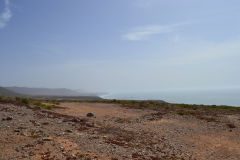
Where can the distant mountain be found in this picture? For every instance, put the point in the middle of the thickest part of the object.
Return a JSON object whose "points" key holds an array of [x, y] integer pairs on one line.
{"points": [[8, 93], [90, 93], [46, 91]]}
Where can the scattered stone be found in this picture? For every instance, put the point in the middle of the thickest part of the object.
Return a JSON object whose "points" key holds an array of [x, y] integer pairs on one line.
{"points": [[37, 124], [62, 149], [123, 140], [62, 134], [59, 122], [24, 156], [90, 114]]}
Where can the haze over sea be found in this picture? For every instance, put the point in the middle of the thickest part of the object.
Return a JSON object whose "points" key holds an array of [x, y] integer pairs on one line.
{"points": [[229, 97]]}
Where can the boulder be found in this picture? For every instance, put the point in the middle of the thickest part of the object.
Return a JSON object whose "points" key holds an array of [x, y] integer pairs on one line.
{"points": [[90, 114], [8, 119]]}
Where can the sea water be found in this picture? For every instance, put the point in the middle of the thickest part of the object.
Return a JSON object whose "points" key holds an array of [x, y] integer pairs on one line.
{"points": [[229, 97]]}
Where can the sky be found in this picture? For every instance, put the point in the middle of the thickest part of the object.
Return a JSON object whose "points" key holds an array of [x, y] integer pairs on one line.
{"points": [[120, 45]]}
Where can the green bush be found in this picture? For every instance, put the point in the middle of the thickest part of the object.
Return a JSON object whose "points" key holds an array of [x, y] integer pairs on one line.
{"points": [[22, 100], [25, 101], [48, 106], [38, 104], [182, 113], [45, 106]]}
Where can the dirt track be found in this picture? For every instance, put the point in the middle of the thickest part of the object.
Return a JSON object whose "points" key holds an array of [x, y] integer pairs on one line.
{"points": [[116, 132]]}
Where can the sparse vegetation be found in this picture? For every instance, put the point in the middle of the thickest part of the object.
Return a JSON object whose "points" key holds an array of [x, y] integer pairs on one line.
{"points": [[47, 106], [29, 101], [43, 105], [23, 100], [126, 124], [211, 119], [173, 106], [181, 109]]}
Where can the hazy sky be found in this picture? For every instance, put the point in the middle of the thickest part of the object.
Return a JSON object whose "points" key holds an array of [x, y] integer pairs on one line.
{"points": [[120, 45]]}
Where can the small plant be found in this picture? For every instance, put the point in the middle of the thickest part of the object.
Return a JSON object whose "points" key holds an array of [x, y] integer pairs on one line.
{"points": [[18, 99], [208, 119], [54, 102], [212, 119], [47, 106], [143, 104], [182, 113], [167, 107]]}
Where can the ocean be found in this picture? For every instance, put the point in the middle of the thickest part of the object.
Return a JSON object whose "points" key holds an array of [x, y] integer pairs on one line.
{"points": [[229, 97]]}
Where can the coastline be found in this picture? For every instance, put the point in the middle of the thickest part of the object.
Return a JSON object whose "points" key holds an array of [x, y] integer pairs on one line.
{"points": [[228, 97]]}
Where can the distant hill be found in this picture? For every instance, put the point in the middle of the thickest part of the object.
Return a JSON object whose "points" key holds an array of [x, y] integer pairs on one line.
{"points": [[47, 91], [8, 93], [68, 97]]}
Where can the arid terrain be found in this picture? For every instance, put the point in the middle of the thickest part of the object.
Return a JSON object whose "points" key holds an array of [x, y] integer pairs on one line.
{"points": [[116, 131]]}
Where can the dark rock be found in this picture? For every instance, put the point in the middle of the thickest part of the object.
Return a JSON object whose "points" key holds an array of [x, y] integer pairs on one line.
{"points": [[68, 130], [36, 108], [230, 125], [24, 156], [45, 123], [17, 150], [9, 118], [31, 154], [90, 114], [47, 139], [90, 124], [62, 149], [75, 120], [16, 130]]}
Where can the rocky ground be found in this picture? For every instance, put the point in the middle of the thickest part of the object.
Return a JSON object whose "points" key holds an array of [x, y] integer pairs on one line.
{"points": [[115, 132]]}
